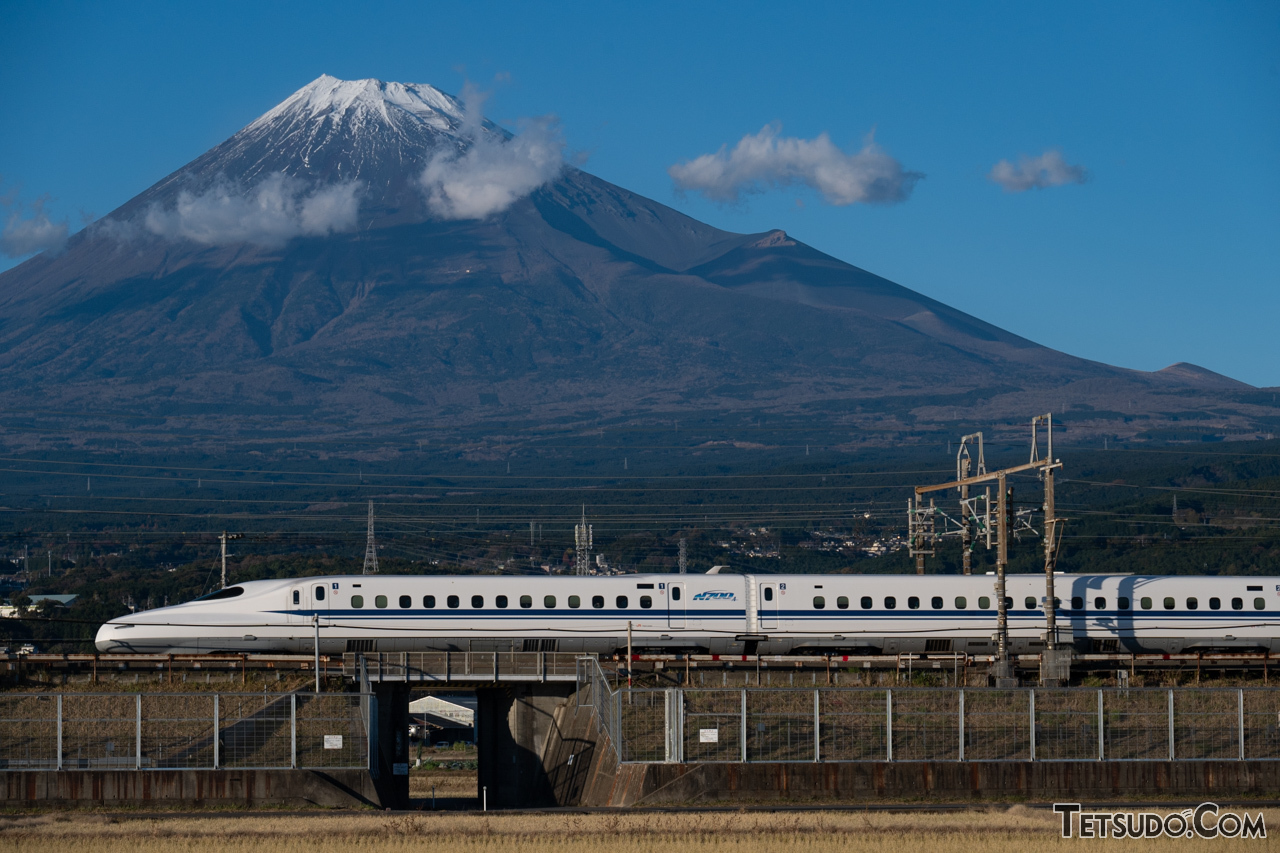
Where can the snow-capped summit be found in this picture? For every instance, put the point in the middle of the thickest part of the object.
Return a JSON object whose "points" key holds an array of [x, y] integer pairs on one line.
{"points": [[361, 100], [380, 134]]}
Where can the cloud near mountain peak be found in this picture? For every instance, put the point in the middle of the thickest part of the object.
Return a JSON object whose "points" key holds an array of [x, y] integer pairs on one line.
{"points": [[766, 160]]}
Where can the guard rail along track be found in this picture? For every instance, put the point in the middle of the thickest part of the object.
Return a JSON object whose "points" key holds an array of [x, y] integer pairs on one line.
{"points": [[830, 724]]}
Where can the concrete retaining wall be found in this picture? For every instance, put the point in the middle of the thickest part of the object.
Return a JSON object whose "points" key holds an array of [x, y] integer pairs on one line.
{"points": [[334, 788], [1036, 781]]}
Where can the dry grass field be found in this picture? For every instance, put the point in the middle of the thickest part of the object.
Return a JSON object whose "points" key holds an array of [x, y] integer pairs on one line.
{"points": [[998, 830]]}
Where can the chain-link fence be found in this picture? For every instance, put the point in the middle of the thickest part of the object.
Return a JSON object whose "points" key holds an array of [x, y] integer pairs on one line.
{"points": [[939, 724], [57, 731]]}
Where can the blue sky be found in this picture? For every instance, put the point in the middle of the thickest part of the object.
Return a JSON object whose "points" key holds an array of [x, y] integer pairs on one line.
{"points": [[1168, 252]]}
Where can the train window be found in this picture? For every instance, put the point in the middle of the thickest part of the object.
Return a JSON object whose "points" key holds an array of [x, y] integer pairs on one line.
{"points": [[1099, 603], [646, 601], [575, 601], [675, 593], [406, 602], [1237, 604], [380, 601], [1169, 603], [501, 601], [1008, 604], [768, 593], [890, 602], [621, 602], [984, 603], [1057, 603], [961, 602], [549, 601], [1193, 604], [357, 601], [936, 602], [452, 601], [297, 597], [1259, 604], [319, 593], [229, 592], [819, 602], [1030, 602], [597, 601], [843, 602], [428, 601], [1077, 603], [1215, 604], [913, 602], [526, 601], [1146, 603], [1122, 603], [866, 602], [477, 601]]}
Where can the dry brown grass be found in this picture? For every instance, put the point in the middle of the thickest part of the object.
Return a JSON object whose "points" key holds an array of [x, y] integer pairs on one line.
{"points": [[997, 830], [448, 783]]}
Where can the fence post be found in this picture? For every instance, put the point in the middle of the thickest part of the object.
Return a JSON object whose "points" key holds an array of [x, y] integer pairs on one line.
{"points": [[59, 731], [1171, 753], [1031, 704], [293, 730], [137, 732], [960, 720], [1240, 707], [668, 751], [680, 725], [744, 725], [1101, 722], [817, 735], [217, 723], [617, 718], [888, 725]]}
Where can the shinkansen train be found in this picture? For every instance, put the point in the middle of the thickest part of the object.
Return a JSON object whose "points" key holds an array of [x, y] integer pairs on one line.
{"points": [[709, 613]]}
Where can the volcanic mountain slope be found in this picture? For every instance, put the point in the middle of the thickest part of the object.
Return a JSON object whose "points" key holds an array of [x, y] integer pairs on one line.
{"points": [[580, 301]]}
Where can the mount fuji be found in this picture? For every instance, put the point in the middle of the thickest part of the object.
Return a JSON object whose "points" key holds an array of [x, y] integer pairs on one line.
{"points": [[372, 259]]}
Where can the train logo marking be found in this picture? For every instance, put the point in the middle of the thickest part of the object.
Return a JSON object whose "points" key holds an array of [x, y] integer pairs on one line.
{"points": [[715, 595]]}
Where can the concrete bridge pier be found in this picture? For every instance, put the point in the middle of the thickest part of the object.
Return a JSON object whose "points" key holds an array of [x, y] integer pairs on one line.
{"points": [[389, 743]]}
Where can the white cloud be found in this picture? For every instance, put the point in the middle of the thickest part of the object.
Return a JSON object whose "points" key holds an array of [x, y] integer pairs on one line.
{"points": [[27, 234], [272, 213], [765, 160], [491, 172], [1037, 173]]}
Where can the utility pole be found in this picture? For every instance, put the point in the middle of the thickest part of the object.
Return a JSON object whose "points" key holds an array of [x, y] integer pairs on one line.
{"points": [[684, 556], [1003, 670], [223, 539], [370, 548], [1055, 663]]}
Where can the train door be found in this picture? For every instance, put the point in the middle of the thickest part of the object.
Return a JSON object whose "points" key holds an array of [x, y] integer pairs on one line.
{"points": [[307, 599], [768, 607], [676, 606]]}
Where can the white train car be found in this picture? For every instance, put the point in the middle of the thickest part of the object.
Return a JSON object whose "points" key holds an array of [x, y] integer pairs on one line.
{"points": [[718, 614]]}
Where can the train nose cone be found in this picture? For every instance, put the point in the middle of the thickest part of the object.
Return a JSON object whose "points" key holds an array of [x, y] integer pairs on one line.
{"points": [[107, 639]]}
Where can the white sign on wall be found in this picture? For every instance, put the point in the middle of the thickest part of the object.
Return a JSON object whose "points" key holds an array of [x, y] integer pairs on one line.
{"points": [[708, 735], [333, 741]]}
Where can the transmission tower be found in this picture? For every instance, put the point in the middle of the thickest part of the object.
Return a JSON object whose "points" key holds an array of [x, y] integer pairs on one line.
{"points": [[370, 548], [582, 546]]}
